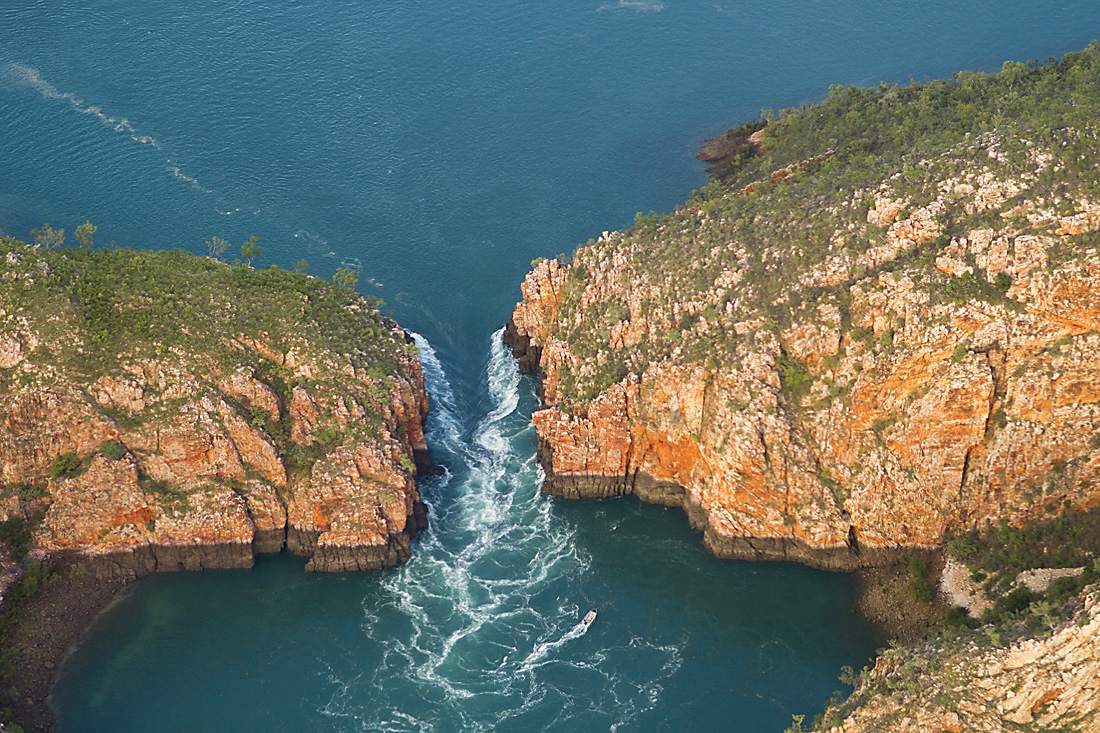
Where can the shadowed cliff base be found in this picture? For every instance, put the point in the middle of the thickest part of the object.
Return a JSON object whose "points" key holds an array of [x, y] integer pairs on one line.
{"points": [[48, 627], [883, 576], [848, 557]]}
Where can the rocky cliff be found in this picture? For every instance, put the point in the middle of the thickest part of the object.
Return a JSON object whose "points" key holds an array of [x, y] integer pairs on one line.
{"points": [[880, 327], [983, 681], [162, 411]]}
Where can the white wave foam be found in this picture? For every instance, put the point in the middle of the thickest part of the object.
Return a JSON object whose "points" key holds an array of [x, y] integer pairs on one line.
{"points": [[21, 75], [28, 76], [543, 649], [175, 171], [641, 6], [479, 605]]}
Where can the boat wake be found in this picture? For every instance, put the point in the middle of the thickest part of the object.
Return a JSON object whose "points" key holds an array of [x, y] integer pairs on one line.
{"points": [[543, 650], [27, 76]]}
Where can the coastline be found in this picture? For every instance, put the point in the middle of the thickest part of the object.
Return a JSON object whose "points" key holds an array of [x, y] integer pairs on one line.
{"points": [[880, 573], [49, 627]]}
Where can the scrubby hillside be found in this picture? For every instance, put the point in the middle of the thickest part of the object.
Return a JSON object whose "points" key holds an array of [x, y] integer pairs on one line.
{"points": [[880, 325], [168, 411]]}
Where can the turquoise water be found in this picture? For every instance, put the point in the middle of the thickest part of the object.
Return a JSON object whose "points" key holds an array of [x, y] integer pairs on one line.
{"points": [[440, 147]]}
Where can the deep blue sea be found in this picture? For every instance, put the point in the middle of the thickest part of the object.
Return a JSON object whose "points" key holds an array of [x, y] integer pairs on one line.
{"points": [[438, 146]]}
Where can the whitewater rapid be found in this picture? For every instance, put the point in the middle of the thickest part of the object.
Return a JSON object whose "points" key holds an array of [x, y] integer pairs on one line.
{"points": [[487, 624]]}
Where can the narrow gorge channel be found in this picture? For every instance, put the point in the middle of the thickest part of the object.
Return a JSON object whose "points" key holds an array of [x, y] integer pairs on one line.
{"points": [[478, 631]]}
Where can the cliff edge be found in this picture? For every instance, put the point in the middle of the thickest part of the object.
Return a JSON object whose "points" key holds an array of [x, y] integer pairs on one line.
{"points": [[160, 411], [1048, 679], [881, 327]]}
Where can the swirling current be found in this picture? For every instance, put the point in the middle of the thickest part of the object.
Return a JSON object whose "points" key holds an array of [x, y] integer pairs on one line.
{"points": [[438, 146]]}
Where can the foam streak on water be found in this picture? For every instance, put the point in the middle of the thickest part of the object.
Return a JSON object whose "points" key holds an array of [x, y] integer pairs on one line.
{"points": [[492, 633], [27, 76]]}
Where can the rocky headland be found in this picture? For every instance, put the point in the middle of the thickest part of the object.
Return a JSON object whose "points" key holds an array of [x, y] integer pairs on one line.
{"points": [[160, 411], [994, 682], [827, 366], [167, 412], [875, 331]]}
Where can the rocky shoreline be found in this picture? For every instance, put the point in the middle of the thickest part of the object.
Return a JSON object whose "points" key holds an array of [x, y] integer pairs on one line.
{"points": [[846, 557], [202, 415], [50, 625]]}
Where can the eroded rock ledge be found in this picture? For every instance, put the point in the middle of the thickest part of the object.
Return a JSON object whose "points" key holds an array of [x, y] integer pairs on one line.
{"points": [[247, 430], [832, 374]]}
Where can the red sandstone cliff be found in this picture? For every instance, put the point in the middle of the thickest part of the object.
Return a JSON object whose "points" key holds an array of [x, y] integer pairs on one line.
{"points": [[864, 406], [199, 458]]}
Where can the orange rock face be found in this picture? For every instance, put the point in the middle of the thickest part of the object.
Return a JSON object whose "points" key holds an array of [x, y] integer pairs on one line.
{"points": [[186, 465], [877, 415]]}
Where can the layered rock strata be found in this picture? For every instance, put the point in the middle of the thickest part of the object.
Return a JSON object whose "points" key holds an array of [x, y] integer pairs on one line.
{"points": [[828, 385], [180, 459], [973, 412]]}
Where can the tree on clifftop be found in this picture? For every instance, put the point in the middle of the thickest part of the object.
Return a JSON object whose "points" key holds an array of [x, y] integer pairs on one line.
{"points": [[217, 246], [84, 234], [346, 278], [48, 237], [250, 251]]}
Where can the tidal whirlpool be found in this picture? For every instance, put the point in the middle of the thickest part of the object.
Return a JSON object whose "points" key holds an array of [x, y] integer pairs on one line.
{"points": [[492, 600]]}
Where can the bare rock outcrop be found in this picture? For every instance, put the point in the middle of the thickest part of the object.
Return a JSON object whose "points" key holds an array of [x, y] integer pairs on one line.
{"points": [[904, 382], [164, 456], [1045, 682]]}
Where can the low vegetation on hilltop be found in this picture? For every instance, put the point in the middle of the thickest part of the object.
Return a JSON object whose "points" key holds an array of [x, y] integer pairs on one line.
{"points": [[200, 397], [121, 303], [803, 203]]}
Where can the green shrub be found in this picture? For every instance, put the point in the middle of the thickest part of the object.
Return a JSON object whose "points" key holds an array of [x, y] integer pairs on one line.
{"points": [[30, 492], [794, 375], [1002, 282], [958, 617], [1061, 589], [1016, 602], [17, 532], [862, 334], [66, 465], [920, 589], [918, 566], [113, 450]]}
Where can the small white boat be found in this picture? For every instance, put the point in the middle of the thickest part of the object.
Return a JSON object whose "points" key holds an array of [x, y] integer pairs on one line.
{"points": [[588, 618]]}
